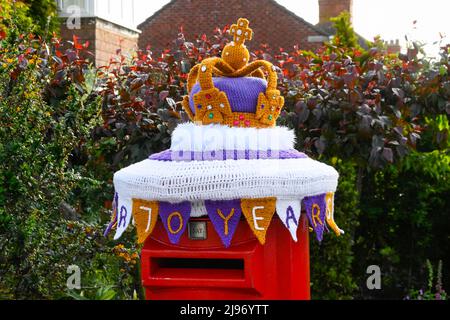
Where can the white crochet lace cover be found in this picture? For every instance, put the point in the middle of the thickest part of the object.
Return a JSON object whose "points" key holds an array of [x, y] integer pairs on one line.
{"points": [[196, 181], [225, 180]]}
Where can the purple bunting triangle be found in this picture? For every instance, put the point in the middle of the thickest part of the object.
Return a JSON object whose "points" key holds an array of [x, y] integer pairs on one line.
{"points": [[225, 216], [114, 214], [175, 217], [315, 207]]}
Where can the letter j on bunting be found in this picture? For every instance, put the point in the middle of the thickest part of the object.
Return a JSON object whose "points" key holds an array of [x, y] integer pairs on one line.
{"points": [[175, 217], [225, 216], [259, 213], [315, 210], [145, 215]]}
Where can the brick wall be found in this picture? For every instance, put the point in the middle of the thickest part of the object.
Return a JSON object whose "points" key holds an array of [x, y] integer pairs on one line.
{"points": [[271, 23], [104, 38], [332, 8], [109, 38], [393, 46], [86, 32]]}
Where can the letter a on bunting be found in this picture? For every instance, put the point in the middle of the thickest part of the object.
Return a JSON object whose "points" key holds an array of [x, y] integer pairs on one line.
{"points": [[289, 213], [259, 213], [145, 215]]}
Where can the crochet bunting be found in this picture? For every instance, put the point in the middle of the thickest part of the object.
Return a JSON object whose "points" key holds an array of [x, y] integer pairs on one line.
{"points": [[113, 222], [259, 213], [329, 198], [315, 210], [175, 217], [289, 213], [123, 216], [225, 216], [145, 215]]}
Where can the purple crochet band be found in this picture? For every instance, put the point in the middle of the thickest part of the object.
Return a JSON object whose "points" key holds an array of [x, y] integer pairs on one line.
{"points": [[242, 93], [169, 155]]}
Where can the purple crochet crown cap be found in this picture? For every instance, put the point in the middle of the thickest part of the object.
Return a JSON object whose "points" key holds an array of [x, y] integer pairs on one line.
{"points": [[242, 93]]}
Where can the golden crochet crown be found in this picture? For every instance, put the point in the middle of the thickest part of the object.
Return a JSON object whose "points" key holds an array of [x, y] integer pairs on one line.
{"points": [[230, 90]]}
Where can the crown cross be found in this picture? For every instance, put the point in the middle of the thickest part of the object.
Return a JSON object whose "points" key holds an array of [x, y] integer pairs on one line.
{"points": [[241, 31]]}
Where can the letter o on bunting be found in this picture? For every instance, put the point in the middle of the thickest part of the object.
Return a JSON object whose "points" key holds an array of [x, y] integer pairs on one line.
{"points": [[175, 217]]}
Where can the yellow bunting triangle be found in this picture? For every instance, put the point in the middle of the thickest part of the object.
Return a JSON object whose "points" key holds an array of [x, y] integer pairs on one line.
{"points": [[259, 213], [145, 215], [329, 199]]}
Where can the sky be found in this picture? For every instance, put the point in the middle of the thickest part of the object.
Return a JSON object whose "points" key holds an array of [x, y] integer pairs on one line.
{"points": [[391, 19]]}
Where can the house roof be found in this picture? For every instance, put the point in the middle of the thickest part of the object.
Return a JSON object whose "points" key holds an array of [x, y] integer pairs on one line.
{"points": [[157, 13], [313, 27], [301, 20]]}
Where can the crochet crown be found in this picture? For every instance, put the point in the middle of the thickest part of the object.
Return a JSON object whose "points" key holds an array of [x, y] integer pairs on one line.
{"points": [[229, 90]]}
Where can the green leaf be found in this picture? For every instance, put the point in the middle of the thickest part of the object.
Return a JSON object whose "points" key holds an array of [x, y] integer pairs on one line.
{"points": [[76, 296], [105, 293]]}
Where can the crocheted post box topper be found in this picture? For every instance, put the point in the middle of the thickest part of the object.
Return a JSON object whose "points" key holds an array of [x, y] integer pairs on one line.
{"points": [[230, 90], [231, 161]]}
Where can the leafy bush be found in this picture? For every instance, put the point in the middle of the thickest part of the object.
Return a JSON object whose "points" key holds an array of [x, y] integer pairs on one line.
{"points": [[48, 108], [36, 16]]}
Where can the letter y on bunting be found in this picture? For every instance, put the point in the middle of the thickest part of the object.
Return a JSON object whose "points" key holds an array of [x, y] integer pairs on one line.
{"points": [[259, 213], [225, 216]]}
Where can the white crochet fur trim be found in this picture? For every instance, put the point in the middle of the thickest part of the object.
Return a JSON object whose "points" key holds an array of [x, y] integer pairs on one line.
{"points": [[225, 179], [198, 209], [192, 137]]}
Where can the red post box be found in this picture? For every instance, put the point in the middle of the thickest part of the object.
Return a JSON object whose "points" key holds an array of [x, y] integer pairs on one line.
{"points": [[203, 269]]}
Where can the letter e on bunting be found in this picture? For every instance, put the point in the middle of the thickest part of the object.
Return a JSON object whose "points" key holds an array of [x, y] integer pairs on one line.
{"points": [[289, 213], [259, 213], [225, 216], [315, 210], [145, 215], [175, 217]]}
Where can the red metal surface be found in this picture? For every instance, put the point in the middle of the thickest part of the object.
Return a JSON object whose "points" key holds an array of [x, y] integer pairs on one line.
{"points": [[277, 270]]}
